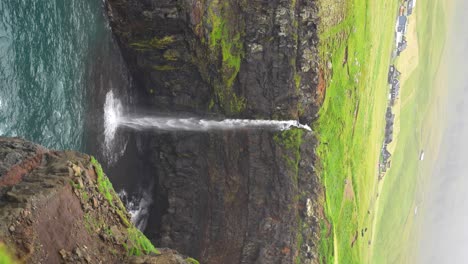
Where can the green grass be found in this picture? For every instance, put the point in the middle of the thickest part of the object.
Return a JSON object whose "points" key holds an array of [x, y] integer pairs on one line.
{"points": [[396, 227], [164, 68], [5, 256], [291, 140], [137, 243], [103, 183], [225, 38], [154, 43], [351, 121], [192, 261], [326, 244]]}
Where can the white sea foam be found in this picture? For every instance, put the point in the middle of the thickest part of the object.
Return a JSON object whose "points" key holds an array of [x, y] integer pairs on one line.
{"points": [[138, 206]]}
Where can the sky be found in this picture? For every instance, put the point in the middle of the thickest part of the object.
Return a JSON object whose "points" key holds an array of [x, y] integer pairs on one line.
{"points": [[445, 224]]}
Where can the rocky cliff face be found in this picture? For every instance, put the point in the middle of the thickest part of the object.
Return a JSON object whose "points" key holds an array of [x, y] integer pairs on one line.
{"points": [[239, 196], [59, 207]]}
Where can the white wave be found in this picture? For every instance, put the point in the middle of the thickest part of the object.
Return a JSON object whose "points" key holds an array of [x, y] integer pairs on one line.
{"points": [[138, 206]]}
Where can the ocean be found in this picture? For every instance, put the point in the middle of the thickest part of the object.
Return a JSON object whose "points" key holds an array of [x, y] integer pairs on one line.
{"points": [[58, 62], [57, 59]]}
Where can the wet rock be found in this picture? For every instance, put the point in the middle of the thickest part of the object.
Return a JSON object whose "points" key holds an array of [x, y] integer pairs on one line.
{"points": [[230, 189]]}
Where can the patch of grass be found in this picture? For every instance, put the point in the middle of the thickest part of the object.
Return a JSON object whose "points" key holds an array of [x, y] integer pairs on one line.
{"points": [[225, 37], [154, 43], [326, 243], [75, 185], [161, 43], [192, 261], [85, 196], [5, 256], [171, 55], [291, 140], [138, 244], [163, 67], [297, 81], [103, 183], [89, 223]]}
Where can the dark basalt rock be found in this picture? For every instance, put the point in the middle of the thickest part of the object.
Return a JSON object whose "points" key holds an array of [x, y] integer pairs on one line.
{"points": [[234, 196]]}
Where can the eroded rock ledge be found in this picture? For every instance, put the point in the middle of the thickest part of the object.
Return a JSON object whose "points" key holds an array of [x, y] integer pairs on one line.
{"points": [[59, 207]]}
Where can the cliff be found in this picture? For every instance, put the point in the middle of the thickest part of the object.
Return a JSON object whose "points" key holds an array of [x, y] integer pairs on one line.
{"points": [[234, 196], [59, 207]]}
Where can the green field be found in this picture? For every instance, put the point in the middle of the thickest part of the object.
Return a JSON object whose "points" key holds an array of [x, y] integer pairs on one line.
{"points": [[397, 226], [351, 128], [357, 39]]}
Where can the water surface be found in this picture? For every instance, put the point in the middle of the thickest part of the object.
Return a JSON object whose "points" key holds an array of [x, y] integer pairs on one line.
{"points": [[44, 46]]}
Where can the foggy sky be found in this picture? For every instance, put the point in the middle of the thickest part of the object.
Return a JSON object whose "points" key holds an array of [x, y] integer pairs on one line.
{"points": [[445, 225]]}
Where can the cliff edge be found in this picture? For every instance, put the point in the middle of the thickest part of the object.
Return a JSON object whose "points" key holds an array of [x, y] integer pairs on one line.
{"points": [[59, 207], [238, 196]]}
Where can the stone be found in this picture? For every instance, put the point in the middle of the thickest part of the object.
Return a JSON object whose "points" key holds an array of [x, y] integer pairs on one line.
{"points": [[309, 205], [63, 253], [77, 252], [79, 181], [12, 229], [77, 170]]}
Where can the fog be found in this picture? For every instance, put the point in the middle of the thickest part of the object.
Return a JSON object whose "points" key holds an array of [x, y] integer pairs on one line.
{"points": [[444, 236]]}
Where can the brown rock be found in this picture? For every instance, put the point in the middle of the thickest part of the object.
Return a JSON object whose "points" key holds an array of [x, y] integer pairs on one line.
{"points": [[95, 202]]}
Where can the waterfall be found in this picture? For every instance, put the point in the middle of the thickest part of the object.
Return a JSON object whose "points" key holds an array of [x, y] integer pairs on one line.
{"points": [[114, 118], [198, 124]]}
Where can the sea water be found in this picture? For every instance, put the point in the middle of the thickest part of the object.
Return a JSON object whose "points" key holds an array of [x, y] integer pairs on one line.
{"points": [[44, 51]]}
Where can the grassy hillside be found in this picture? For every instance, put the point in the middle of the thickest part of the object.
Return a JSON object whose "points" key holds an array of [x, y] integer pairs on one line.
{"points": [[356, 43], [396, 225], [372, 221]]}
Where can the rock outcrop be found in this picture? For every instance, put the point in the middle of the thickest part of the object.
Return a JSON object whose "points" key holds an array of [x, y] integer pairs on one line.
{"points": [[59, 207], [235, 196]]}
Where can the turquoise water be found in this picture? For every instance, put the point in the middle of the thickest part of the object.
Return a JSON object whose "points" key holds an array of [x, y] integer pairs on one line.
{"points": [[45, 48]]}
